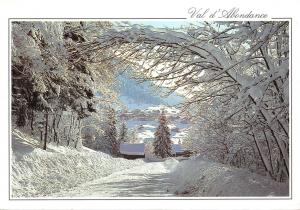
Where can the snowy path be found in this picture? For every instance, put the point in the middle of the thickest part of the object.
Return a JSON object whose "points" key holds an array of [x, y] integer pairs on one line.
{"points": [[149, 179]]}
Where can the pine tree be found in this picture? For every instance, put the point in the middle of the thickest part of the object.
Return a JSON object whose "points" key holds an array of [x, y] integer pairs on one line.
{"points": [[22, 113], [123, 137], [110, 133], [162, 143]]}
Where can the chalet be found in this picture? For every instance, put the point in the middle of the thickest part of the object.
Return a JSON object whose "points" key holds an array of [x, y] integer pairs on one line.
{"points": [[177, 151], [132, 151]]}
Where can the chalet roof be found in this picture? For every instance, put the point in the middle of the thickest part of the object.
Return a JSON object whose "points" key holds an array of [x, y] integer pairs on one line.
{"points": [[176, 148], [132, 149], [139, 149]]}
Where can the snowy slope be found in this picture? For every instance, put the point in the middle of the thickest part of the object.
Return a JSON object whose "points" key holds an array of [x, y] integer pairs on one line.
{"points": [[136, 95], [201, 177], [38, 173], [169, 110], [149, 101]]}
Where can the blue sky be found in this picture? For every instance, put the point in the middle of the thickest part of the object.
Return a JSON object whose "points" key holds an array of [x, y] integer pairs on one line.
{"points": [[163, 23], [171, 23]]}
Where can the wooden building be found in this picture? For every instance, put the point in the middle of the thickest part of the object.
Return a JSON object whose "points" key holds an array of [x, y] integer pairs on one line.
{"points": [[132, 151], [178, 150]]}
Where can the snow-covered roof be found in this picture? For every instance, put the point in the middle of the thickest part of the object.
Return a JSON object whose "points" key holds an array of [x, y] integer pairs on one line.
{"points": [[132, 149], [176, 148]]}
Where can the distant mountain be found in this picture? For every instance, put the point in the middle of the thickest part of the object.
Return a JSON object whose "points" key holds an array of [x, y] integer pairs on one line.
{"points": [[141, 95]]}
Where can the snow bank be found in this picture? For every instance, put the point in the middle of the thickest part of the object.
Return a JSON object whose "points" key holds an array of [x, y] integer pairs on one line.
{"points": [[201, 177], [171, 163], [38, 173]]}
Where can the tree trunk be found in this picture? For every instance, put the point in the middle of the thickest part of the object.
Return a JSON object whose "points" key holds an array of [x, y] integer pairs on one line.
{"points": [[41, 136], [31, 121], [79, 134], [57, 126], [282, 150], [270, 151], [59, 118], [262, 156], [54, 134], [69, 132], [46, 132]]}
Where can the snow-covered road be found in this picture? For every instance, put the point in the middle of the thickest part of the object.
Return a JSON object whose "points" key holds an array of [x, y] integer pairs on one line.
{"points": [[149, 179]]}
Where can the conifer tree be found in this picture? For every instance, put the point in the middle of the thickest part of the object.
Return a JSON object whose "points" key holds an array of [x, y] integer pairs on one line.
{"points": [[162, 143], [123, 137], [110, 133]]}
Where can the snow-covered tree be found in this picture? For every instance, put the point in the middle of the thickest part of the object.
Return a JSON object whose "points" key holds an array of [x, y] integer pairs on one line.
{"points": [[123, 133], [110, 133], [53, 83], [240, 67], [162, 143]]}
